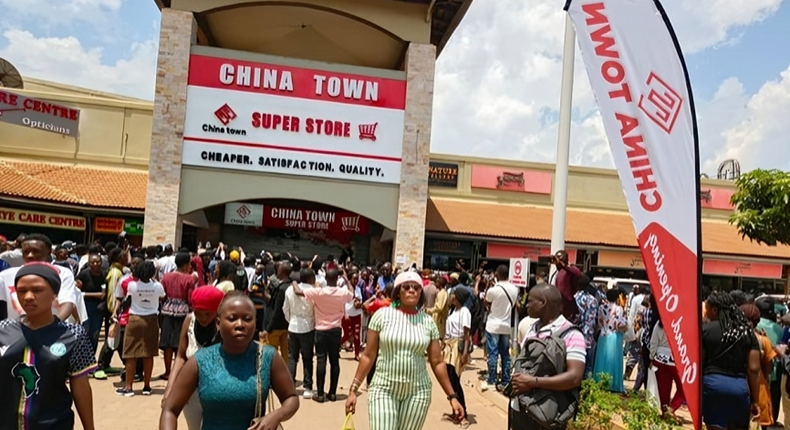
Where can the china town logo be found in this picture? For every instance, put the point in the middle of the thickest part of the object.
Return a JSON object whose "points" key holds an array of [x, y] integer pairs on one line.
{"points": [[350, 223], [368, 131], [225, 114], [243, 211], [661, 104]]}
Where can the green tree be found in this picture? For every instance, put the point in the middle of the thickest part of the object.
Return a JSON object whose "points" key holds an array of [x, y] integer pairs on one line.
{"points": [[762, 206]]}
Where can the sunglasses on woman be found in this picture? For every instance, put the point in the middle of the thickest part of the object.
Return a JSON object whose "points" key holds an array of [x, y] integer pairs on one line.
{"points": [[411, 287]]}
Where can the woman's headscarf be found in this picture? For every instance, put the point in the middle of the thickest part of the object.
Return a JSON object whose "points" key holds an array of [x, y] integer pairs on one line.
{"points": [[462, 295], [752, 313], [207, 298], [50, 273]]}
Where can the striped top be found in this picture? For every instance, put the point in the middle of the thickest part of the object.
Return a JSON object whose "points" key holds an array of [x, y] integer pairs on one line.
{"points": [[403, 340], [575, 345]]}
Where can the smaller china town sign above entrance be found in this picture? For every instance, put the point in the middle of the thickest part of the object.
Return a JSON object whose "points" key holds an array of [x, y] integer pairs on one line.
{"points": [[274, 118]]}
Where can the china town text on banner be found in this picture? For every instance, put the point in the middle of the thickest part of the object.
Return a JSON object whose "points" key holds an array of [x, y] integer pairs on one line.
{"points": [[333, 221], [283, 119], [637, 73]]}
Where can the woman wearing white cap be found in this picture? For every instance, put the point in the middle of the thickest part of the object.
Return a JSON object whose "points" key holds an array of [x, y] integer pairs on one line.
{"points": [[400, 392]]}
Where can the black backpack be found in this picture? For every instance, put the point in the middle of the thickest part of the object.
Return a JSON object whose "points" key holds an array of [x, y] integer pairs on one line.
{"points": [[546, 357], [478, 313]]}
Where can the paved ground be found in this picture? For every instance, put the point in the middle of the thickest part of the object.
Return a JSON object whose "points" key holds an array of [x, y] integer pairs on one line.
{"points": [[142, 413]]}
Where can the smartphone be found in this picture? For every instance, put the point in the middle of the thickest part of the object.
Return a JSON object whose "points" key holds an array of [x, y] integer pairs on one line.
{"points": [[508, 391]]}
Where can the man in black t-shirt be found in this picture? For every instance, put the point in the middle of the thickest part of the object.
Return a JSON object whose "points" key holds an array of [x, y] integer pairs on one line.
{"points": [[92, 281]]}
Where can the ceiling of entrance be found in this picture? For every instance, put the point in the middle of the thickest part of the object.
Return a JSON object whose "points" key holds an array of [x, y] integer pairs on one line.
{"points": [[277, 27], [303, 32]]}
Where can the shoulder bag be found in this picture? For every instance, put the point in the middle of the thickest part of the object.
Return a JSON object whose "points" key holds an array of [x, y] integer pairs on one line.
{"points": [[259, 413]]}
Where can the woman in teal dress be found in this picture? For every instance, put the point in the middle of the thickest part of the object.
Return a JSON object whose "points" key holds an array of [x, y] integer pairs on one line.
{"points": [[225, 376], [609, 353]]}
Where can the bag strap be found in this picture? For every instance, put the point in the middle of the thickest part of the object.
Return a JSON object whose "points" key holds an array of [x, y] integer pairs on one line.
{"points": [[258, 383], [512, 308]]}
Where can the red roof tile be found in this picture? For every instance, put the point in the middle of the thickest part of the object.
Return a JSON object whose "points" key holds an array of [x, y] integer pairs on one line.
{"points": [[74, 184]]}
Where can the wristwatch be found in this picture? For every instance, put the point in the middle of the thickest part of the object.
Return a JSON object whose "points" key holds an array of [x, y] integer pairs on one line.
{"points": [[452, 396]]}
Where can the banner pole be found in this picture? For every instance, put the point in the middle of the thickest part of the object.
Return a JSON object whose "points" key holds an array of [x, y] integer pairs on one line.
{"points": [[563, 143]]}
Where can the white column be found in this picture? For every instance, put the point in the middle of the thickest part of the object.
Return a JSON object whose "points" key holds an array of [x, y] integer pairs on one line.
{"points": [[563, 143]]}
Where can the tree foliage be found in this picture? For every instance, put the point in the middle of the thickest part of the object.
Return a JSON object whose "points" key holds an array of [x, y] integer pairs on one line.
{"points": [[762, 206]]}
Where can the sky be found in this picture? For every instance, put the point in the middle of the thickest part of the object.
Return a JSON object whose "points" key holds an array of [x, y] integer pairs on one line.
{"points": [[497, 86]]}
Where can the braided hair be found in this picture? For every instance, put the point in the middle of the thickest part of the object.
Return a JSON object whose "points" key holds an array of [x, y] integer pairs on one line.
{"points": [[733, 322]]}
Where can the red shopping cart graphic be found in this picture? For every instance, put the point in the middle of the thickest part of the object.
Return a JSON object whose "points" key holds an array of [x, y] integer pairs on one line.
{"points": [[368, 131], [350, 223]]}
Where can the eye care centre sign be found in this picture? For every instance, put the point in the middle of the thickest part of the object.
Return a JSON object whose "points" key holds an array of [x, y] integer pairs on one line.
{"points": [[277, 118]]}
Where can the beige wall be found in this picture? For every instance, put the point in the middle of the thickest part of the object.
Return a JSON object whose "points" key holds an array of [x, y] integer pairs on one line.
{"points": [[405, 20], [113, 129], [588, 187]]}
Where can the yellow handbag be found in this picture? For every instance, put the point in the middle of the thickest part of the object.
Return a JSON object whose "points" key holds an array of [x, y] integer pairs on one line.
{"points": [[348, 424]]}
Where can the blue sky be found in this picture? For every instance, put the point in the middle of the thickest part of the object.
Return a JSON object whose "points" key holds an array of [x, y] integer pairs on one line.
{"points": [[497, 81]]}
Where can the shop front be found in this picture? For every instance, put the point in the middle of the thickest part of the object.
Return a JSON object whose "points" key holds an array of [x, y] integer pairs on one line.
{"points": [[58, 227], [620, 264], [758, 277], [447, 254], [538, 255], [260, 128], [302, 228]]}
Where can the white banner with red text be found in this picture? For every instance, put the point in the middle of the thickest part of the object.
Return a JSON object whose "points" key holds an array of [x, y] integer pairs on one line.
{"points": [[293, 120], [639, 79]]}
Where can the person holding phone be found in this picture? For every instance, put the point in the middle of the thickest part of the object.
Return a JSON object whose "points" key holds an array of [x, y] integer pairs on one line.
{"points": [[566, 280]]}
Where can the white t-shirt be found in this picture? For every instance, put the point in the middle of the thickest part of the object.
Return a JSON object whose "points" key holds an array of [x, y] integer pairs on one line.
{"points": [[500, 314], [67, 294], [167, 264], [350, 309], [145, 297], [456, 322]]}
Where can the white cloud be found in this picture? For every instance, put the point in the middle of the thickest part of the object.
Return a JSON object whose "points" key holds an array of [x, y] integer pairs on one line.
{"points": [[62, 11], [66, 60], [757, 129], [501, 72]]}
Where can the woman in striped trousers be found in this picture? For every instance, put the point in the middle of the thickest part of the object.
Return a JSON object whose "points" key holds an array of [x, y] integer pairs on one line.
{"points": [[400, 392]]}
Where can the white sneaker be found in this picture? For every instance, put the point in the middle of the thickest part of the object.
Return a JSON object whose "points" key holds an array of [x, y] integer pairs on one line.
{"points": [[484, 386], [308, 394]]}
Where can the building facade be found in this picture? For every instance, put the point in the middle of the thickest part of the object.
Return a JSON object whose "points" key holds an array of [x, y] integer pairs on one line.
{"points": [[306, 128], [319, 107]]}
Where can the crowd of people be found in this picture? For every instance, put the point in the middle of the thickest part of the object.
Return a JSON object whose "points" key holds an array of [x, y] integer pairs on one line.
{"points": [[232, 327]]}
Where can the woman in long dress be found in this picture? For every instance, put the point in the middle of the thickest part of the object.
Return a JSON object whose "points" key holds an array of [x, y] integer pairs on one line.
{"points": [[609, 356]]}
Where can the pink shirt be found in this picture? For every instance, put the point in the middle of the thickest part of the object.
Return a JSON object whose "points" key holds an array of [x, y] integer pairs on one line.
{"points": [[329, 305]]}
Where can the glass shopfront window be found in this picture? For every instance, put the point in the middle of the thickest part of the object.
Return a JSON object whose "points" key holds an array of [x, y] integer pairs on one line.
{"points": [[447, 254]]}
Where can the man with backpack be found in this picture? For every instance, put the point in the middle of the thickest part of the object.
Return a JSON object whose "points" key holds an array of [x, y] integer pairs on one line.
{"points": [[548, 373], [500, 300]]}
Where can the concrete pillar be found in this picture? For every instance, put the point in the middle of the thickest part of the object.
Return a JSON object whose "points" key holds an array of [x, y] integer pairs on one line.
{"points": [[413, 199], [177, 34]]}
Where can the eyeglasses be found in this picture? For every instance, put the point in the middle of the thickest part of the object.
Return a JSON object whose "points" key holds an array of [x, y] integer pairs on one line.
{"points": [[411, 287]]}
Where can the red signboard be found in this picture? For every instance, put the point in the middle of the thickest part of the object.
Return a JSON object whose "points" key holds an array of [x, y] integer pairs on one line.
{"points": [[108, 225], [507, 250], [743, 269], [510, 179], [334, 222]]}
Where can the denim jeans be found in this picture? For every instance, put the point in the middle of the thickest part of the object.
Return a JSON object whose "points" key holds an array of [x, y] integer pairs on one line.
{"points": [[95, 319], [498, 345]]}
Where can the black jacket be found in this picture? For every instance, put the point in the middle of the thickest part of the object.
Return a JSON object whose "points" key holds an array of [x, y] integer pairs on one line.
{"points": [[274, 309]]}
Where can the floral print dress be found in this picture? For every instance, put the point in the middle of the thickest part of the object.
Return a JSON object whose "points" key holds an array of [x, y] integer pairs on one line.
{"points": [[611, 318]]}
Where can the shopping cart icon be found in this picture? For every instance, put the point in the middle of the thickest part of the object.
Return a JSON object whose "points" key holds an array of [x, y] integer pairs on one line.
{"points": [[368, 131], [350, 223]]}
